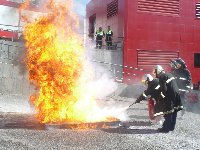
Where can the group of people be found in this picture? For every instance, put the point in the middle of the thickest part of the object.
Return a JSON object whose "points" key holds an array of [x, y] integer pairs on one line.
{"points": [[100, 34], [168, 90]]}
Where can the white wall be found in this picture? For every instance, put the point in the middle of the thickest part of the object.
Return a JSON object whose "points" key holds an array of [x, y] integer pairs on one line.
{"points": [[9, 16], [13, 73]]}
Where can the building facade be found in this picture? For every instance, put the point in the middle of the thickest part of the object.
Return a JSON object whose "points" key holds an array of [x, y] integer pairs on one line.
{"points": [[153, 31]]}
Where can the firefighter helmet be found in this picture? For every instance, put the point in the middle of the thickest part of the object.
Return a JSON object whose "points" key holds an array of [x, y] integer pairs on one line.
{"points": [[147, 78], [181, 62], [158, 69], [173, 64]]}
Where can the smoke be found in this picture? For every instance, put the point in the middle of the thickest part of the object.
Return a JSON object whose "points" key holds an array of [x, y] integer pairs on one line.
{"points": [[104, 86]]}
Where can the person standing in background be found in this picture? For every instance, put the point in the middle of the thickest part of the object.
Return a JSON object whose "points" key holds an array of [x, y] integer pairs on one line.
{"points": [[99, 37], [109, 35]]}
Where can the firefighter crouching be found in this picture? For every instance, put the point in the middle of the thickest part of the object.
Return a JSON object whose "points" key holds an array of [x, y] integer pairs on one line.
{"points": [[109, 35], [99, 37], [151, 93], [169, 98]]}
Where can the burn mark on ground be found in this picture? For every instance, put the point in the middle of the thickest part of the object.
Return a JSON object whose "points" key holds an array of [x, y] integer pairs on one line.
{"points": [[27, 121], [19, 121], [95, 125]]}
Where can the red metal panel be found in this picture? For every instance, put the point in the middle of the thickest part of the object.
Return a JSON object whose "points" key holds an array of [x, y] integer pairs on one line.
{"points": [[151, 58], [31, 7], [9, 3], [166, 25], [8, 34], [159, 6], [153, 31]]}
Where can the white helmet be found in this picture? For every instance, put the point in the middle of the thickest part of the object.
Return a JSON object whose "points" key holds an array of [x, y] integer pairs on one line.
{"points": [[148, 77], [158, 69]]}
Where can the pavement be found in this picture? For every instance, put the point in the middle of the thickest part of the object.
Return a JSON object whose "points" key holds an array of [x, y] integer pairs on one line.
{"points": [[20, 130]]}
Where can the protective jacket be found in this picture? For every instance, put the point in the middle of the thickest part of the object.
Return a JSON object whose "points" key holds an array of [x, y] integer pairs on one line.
{"points": [[183, 78], [152, 90], [169, 92], [99, 35], [109, 35]]}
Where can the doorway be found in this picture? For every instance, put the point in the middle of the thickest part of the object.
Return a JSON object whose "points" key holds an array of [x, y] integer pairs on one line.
{"points": [[92, 25]]}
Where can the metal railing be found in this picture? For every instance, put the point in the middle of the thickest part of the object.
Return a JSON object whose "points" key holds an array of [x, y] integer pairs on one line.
{"points": [[11, 28], [117, 44], [8, 52], [13, 81], [14, 32], [117, 70]]}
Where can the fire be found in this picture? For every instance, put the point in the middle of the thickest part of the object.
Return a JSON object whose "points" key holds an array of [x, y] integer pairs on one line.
{"points": [[56, 65]]}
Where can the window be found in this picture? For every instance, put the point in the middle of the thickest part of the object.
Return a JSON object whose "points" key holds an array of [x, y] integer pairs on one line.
{"points": [[198, 10], [92, 23], [112, 8], [159, 6], [197, 60]]}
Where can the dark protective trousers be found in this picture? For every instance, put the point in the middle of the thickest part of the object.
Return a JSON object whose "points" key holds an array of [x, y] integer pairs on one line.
{"points": [[109, 44], [170, 121], [99, 43]]}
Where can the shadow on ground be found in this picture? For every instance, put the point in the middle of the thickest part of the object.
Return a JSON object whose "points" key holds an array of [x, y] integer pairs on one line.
{"points": [[138, 108], [122, 130], [27, 121], [139, 117]]}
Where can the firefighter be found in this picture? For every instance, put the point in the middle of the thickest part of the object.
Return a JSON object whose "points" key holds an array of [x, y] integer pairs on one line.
{"points": [[183, 75], [99, 36], [153, 92], [173, 66], [183, 79], [109, 35], [170, 97], [152, 86]]}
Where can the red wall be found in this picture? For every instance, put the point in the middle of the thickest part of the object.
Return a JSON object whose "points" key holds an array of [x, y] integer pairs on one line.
{"points": [[150, 31], [8, 34]]}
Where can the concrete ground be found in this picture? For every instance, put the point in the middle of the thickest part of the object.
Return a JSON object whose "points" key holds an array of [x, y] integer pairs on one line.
{"points": [[20, 130]]}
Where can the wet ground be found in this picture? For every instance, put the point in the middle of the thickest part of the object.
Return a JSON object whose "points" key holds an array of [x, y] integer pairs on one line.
{"points": [[20, 130]]}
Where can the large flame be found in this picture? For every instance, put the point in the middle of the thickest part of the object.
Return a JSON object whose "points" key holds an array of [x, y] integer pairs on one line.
{"points": [[56, 66]]}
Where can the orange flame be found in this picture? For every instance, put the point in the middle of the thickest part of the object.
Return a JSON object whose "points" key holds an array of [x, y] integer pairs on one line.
{"points": [[56, 66]]}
